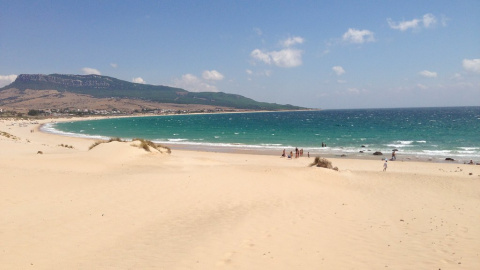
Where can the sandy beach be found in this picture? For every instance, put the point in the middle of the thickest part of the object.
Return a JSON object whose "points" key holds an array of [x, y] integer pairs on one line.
{"points": [[119, 207]]}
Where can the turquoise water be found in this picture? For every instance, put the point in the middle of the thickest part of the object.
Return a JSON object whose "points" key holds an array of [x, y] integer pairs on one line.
{"points": [[432, 133]]}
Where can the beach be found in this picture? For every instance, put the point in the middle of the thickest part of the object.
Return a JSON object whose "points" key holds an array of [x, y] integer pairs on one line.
{"points": [[116, 206]]}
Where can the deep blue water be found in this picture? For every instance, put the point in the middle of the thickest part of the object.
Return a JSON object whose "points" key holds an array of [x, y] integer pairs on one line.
{"points": [[420, 132]]}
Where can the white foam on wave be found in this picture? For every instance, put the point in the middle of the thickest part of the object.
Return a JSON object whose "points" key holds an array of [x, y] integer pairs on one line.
{"points": [[177, 140], [469, 148], [399, 145], [437, 152], [271, 144], [50, 128]]}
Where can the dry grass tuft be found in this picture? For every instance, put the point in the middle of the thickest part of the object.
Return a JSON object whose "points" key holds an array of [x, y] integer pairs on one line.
{"points": [[323, 163], [144, 144], [8, 135], [100, 142], [66, 146]]}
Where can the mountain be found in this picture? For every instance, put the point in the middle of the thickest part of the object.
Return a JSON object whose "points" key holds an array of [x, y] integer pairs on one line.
{"points": [[98, 86]]}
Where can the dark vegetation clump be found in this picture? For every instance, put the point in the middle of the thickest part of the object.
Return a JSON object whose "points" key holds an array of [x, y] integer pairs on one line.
{"points": [[323, 163], [144, 144], [100, 142], [66, 146], [8, 135]]}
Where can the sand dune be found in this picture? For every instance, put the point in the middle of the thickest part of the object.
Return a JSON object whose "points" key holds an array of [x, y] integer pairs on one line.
{"points": [[120, 207]]}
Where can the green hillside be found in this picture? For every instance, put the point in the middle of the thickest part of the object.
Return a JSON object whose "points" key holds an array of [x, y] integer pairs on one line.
{"points": [[106, 87]]}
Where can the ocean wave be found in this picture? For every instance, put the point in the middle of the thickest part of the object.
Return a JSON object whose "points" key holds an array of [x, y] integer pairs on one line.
{"points": [[271, 144], [469, 148], [466, 152], [399, 145], [50, 128], [437, 152], [177, 140]]}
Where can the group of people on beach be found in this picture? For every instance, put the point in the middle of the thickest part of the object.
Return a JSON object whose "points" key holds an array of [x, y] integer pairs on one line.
{"points": [[298, 153]]}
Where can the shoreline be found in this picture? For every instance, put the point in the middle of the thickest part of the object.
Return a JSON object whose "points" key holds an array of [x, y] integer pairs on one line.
{"points": [[117, 206], [264, 150]]}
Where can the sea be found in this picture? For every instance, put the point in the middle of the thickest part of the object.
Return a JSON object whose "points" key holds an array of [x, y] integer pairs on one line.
{"points": [[430, 134]]}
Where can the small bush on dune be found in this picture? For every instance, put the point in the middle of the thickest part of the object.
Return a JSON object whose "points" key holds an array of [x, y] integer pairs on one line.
{"points": [[66, 146], [8, 135], [144, 144], [323, 163], [100, 142]]}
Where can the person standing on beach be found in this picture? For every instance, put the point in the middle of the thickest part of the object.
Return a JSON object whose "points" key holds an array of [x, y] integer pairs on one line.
{"points": [[394, 156], [385, 165]]}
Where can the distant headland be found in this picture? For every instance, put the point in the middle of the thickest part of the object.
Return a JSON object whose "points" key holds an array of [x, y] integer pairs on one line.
{"points": [[95, 94]]}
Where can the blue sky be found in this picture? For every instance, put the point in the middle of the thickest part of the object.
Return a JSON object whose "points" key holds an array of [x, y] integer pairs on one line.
{"points": [[317, 54]]}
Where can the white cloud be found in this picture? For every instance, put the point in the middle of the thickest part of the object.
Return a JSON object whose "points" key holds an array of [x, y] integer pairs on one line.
{"points": [[249, 72], [113, 65], [282, 58], [338, 70], [428, 74], [87, 70], [138, 80], [192, 83], [471, 65], [287, 57], [358, 36], [421, 86], [7, 79], [261, 56], [257, 31], [353, 90], [428, 20], [404, 25], [457, 76], [212, 75], [292, 41]]}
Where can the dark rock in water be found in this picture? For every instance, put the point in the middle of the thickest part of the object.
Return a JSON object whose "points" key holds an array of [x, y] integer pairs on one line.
{"points": [[396, 150], [343, 155], [377, 153], [450, 159], [363, 145], [361, 151]]}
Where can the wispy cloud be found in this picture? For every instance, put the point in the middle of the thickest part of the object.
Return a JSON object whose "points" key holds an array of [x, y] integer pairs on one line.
{"points": [[358, 36], [212, 75], [192, 83], [292, 41], [287, 57], [471, 65], [87, 70], [7, 79], [338, 70], [138, 80], [428, 74], [427, 21], [113, 65], [258, 31], [422, 86]]}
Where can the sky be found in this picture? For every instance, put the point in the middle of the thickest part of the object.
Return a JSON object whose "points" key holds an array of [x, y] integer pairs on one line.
{"points": [[315, 54]]}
